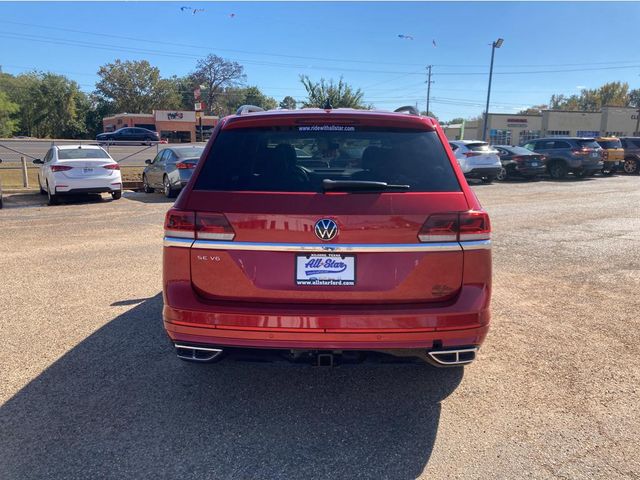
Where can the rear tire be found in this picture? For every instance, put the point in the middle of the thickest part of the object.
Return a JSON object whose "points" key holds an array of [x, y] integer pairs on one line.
{"points": [[503, 174], [169, 192], [51, 197], [145, 185], [558, 170], [630, 166], [117, 195]]}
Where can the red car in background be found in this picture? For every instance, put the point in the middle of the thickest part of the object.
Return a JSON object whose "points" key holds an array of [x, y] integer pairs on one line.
{"points": [[327, 233]]}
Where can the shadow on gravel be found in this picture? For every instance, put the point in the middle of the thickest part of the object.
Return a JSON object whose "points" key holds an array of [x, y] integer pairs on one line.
{"points": [[120, 405], [147, 197]]}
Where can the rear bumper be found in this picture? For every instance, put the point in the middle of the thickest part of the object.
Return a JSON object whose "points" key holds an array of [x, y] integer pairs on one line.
{"points": [[325, 339], [464, 321], [483, 172], [106, 183], [531, 171]]}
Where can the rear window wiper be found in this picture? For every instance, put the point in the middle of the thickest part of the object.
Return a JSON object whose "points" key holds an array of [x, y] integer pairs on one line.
{"points": [[361, 186]]}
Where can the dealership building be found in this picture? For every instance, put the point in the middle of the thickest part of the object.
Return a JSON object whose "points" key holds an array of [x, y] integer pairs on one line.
{"points": [[509, 129], [176, 126]]}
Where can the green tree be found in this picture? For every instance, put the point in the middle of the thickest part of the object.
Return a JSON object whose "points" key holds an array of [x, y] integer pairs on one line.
{"points": [[288, 102], [456, 120], [613, 93], [232, 98], [339, 95], [8, 124], [533, 110], [634, 98], [216, 74], [136, 87]]}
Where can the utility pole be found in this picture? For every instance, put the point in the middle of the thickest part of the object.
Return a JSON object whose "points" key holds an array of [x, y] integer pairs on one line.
{"points": [[429, 82], [637, 122], [494, 45]]}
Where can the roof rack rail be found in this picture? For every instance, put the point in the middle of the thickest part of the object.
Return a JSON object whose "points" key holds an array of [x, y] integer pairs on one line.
{"points": [[248, 109], [407, 109]]}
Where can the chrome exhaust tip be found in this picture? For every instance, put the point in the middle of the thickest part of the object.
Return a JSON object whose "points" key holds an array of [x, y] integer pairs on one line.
{"points": [[460, 356], [197, 354]]}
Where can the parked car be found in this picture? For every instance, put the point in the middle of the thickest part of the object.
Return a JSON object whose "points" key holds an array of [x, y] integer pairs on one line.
{"points": [[1, 202], [75, 169], [519, 162], [580, 156], [631, 147], [129, 135], [477, 159], [612, 154], [171, 169], [389, 252]]}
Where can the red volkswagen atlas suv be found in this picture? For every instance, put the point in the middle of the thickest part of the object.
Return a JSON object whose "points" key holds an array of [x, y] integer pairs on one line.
{"points": [[322, 234]]}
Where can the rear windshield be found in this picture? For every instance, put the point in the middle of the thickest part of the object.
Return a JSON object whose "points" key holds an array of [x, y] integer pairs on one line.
{"points": [[191, 152], [298, 159], [610, 143], [80, 153], [519, 151], [587, 143], [479, 147]]}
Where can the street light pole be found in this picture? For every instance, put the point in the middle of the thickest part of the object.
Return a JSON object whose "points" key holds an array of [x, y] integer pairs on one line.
{"points": [[494, 45]]}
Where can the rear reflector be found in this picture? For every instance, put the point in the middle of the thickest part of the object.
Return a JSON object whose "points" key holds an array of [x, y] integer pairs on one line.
{"points": [[452, 227], [185, 165], [472, 154], [179, 223], [213, 226], [60, 168], [112, 166]]}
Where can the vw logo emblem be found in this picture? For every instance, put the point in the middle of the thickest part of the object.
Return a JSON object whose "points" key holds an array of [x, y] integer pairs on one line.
{"points": [[326, 229]]}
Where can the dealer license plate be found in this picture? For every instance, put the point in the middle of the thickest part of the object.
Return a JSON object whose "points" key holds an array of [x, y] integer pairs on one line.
{"points": [[87, 170], [329, 269]]}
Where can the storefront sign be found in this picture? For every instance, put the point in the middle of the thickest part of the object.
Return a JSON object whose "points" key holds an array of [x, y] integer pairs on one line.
{"points": [[517, 122], [175, 116]]}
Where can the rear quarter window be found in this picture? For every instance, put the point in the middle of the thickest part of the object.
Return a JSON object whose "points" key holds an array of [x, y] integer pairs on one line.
{"points": [[298, 159]]}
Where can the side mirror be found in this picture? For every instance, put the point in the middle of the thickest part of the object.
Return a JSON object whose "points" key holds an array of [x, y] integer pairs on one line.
{"points": [[37, 161], [148, 161]]}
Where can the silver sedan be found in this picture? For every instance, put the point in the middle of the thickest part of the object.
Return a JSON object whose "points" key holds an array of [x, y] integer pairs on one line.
{"points": [[171, 170]]}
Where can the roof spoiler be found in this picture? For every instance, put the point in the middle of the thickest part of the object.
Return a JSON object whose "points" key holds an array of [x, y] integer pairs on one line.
{"points": [[407, 109], [248, 109]]}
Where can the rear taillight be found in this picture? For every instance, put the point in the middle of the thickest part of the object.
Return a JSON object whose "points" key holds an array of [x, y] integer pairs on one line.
{"points": [[60, 168], [474, 226], [185, 165], [451, 227], [112, 166], [213, 226], [471, 154], [441, 227], [180, 223], [197, 225], [582, 151]]}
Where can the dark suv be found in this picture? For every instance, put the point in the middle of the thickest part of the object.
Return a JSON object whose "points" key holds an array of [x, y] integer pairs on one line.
{"points": [[631, 147], [580, 156], [129, 134]]}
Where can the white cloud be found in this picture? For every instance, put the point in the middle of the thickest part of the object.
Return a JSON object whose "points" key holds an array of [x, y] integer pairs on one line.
{"points": [[580, 87]]}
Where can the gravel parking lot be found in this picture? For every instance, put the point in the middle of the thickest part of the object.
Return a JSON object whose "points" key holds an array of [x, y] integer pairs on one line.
{"points": [[90, 387]]}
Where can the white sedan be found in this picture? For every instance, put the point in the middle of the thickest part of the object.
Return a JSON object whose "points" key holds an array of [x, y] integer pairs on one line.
{"points": [[72, 169]]}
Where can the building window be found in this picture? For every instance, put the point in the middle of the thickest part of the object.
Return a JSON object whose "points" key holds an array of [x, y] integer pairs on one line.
{"points": [[500, 137], [588, 133], [527, 135], [558, 133], [616, 134]]}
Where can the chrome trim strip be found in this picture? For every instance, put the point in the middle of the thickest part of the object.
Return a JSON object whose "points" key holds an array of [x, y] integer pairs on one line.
{"points": [[476, 245], [332, 248], [177, 242]]}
